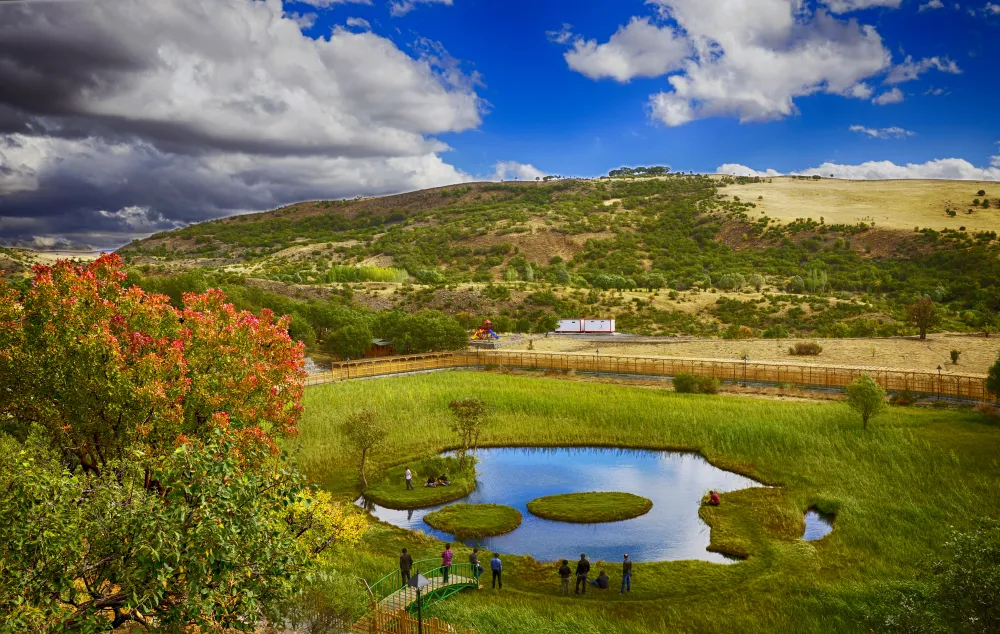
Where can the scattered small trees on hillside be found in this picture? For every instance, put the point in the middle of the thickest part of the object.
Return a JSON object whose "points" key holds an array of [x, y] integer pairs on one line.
{"points": [[923, 314], [866, 397], [364, 431]]}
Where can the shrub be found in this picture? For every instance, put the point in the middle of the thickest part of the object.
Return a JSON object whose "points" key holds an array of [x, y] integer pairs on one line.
{"points": [[806, 348], [756, 280], [776, 331], [686, 383], [993, 379], [904, 397], [796, 284], [954, 356]]}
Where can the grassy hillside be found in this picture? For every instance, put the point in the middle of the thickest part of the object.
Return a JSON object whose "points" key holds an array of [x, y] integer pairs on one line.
{"points": [[672, 255]]}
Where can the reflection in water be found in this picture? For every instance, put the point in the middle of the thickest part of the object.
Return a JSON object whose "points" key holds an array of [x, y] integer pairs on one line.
{"points": [[672, 530], [818, 525]]}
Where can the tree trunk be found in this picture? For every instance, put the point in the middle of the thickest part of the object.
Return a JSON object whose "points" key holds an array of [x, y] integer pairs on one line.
{"points": [[364, 480]]}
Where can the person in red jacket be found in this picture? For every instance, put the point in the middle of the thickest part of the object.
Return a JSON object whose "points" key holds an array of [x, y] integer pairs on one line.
{"points": [[713, 498]]}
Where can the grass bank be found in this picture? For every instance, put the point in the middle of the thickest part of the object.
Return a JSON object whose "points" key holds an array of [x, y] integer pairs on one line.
{"points": [[475, 520], [898, 488], [590, 508]]}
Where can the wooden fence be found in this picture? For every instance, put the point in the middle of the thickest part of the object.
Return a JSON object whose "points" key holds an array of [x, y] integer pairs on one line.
{"points": [[943, 384], [401, 622]]}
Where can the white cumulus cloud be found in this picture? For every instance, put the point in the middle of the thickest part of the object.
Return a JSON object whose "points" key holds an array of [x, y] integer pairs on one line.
{"points": [[638, 49], [735, 169], [512, 170], [909, 69], [737, 58], [846, 6], [883, 133], [946, 169], [358, 23], [399, 8], [889, 97]]}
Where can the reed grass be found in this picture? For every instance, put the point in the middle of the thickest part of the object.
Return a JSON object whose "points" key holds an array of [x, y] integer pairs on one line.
{"points": [[898, 490]]}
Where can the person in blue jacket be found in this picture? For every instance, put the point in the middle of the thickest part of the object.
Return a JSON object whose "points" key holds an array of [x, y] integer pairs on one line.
{"points": [[497, 567]]}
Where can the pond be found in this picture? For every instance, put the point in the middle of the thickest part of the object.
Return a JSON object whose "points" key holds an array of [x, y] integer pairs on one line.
{"points": [[818, 525], [672, 530]]}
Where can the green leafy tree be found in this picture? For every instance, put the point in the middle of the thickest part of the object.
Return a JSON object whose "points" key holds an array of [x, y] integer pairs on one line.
{"points": [[866, 397], [468, 422], [756, 280], [365, 431], [923, 314], [957, 593], [350, 342], [300, 329], [219, 547], [993, 379]]}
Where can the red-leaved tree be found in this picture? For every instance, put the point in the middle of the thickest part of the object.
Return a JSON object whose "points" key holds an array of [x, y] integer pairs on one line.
{"points": [[104, 367]]}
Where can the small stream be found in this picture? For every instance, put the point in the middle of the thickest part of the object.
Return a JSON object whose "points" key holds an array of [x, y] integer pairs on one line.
{"points": [[672, 530]]}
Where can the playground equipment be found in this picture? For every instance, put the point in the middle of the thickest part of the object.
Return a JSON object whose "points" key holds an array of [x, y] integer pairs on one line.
{"points": [[391, 594], [485, 332]]}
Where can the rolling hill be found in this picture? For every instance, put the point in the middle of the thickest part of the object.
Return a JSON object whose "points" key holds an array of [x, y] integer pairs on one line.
{"points": [[680, 254]]}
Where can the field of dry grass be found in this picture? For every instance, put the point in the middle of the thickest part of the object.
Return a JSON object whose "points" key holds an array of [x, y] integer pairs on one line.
{"points": [[978, 352], [896, 204]]}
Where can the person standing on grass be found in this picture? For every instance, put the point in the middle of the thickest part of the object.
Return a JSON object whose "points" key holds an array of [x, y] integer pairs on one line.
{"points": [[564, 572], [497, 567], [476, 568], [446, 558], [409, 479], [405, 563], [582, 569], [626, 575]]}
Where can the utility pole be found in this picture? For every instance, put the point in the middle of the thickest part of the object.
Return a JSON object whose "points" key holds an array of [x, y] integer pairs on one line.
{"points": [[745, 357]]}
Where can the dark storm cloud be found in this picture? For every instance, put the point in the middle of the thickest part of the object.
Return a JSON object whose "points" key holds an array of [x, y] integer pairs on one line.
{"points": [[125, 117]]}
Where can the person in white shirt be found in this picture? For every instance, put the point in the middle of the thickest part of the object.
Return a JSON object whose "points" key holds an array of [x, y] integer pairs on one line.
{"points": [[409, 479]]}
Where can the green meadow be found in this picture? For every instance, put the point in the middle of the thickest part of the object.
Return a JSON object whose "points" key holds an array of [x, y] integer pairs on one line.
{"points": [[898, 490]]}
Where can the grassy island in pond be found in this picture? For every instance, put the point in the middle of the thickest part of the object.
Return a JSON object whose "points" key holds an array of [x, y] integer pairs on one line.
{"points": [[475, 520], [391, 491], [590, 508]]}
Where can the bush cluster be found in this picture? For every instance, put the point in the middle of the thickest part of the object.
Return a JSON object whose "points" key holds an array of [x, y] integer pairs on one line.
{"points": [[686, 383], [805, 348]]}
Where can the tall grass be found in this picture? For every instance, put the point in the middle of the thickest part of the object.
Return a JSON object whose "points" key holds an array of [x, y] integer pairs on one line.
{"points": [[340, 273], [899, 488]]}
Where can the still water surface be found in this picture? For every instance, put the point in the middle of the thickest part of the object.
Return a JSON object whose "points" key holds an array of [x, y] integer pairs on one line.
{"points": [[672, 530]]}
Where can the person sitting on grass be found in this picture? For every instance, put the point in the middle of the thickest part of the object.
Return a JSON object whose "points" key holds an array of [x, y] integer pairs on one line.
{"points": [[430, 483], [602, 582], [443, 480], [713, 499]]}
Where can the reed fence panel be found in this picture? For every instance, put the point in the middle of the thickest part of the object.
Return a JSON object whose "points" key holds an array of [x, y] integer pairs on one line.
{"points": [[943, 384]]}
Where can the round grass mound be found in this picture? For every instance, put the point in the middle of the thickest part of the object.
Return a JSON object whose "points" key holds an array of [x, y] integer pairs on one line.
{"points": [[475, 520], [391, 491], [590, 508]]}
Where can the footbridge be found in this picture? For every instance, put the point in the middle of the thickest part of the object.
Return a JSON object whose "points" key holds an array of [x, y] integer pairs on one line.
{"points": [[391, 594]]}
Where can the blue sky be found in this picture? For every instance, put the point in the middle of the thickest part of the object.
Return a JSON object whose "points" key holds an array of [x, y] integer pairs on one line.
{"points": [[120, 118], [545, 114]]}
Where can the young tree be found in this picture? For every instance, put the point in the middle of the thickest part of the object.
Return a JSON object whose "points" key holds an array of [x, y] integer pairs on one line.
{"points": [[364, 431], [756, 280], [866, 397], [470, 418], [955, 354], [993, 379], [923, 314]]}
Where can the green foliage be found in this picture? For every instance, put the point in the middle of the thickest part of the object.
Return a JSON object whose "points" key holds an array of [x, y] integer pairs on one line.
{"points": [[993, 379], [364, 430], [468, 423], [957, 594], [350, 342], [923, 314], [685, 383], [364, 274], [955, 354], [89, 553], [866, 397], [300, 329], [796, 284], [424, 331], [806, 348]]}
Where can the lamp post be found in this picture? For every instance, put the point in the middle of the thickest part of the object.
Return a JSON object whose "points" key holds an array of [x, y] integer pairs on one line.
{"points": [[419, 582], [598, 352], [745, 357], [939, 384]]}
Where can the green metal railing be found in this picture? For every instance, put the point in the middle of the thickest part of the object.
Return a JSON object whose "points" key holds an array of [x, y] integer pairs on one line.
{"points": [[390, 593]]}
